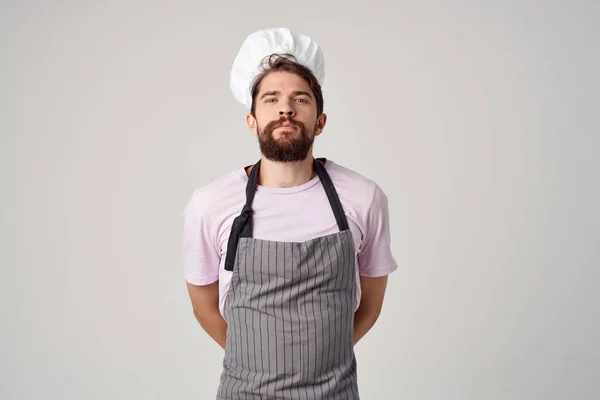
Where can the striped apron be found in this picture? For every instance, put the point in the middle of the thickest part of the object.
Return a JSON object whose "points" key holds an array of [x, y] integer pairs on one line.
{"points": [[290, 311]]}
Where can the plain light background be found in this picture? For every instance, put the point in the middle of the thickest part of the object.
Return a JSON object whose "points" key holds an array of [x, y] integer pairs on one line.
{"points": [[478, 119]]}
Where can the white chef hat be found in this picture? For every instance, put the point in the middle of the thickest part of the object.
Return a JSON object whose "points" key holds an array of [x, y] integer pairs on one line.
{"points": [[247, 64]]}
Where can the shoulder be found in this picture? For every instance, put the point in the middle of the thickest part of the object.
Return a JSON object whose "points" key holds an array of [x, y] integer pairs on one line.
{"points": [[352, 186], [216, 192]]}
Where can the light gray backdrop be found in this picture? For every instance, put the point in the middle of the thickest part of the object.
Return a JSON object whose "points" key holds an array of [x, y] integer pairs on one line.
{"points": [[478, 119]]}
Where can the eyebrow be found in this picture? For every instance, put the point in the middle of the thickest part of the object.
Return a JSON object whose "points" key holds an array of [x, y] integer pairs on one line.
{"points": [[276, 92]]}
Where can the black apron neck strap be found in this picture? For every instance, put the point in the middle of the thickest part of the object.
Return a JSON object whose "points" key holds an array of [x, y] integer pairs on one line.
{"points": [[252, 185], [243, 226], [332, 196]]}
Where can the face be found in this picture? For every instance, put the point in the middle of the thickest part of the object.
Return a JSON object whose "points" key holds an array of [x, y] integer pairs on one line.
{"points": [[286, 121]]}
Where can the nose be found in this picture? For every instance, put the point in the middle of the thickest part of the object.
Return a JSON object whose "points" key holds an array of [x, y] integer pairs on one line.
{"points": [[286, 109]]}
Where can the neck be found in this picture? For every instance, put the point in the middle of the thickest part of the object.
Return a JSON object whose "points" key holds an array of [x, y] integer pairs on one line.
{"points": [[275, 174]]}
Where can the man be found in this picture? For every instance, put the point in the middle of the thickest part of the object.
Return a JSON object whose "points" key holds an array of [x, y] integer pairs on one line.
{"points": [[286, 261]]}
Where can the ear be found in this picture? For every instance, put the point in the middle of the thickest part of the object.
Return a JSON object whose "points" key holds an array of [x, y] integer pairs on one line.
{"points": [[321, 121], [252, 124]]}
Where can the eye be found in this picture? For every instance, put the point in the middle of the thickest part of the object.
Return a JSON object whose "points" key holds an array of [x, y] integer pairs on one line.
{"points": [[269, 100], [302, 100]]}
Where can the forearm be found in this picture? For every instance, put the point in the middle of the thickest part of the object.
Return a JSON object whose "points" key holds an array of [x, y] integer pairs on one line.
{"points": [[213, 324], [364, 320], [373, 290], [205, 303]]}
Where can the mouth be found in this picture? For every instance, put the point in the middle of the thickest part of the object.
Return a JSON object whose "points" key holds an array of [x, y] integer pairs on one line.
{"points": [[287, 126]]}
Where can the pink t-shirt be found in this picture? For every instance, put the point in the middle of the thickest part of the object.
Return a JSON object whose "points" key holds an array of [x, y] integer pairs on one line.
{"points": [[294, 214]]}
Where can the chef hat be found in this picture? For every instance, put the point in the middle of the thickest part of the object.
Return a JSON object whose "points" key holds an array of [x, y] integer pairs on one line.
{"points": [[258, 45]]}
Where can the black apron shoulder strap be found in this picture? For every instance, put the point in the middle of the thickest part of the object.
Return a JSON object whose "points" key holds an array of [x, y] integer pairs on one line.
{"points": [[242, 224], [334, 199]]}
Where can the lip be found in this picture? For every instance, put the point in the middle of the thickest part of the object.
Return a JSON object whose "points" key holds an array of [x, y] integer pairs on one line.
{"points": [[287, 126]]}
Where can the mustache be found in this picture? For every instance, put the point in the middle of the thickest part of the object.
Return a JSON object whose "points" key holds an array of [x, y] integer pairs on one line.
{"points": [[277, 123]]}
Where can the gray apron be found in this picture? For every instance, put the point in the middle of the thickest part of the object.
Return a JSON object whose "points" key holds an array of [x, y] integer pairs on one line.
{"points": [[290, 311]]}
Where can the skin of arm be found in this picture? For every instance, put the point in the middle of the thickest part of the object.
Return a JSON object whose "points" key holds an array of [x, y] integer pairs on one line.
{"points": [[371, 301], [205, 303]]}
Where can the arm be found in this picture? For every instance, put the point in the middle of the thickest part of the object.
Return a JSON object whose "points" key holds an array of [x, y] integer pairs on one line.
{"points": [[205, 302], [201, 257], [375, 263], [371, 301]]}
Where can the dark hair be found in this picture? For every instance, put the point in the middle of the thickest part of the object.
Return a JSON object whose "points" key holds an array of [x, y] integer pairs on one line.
{"points": [[288, 63]]}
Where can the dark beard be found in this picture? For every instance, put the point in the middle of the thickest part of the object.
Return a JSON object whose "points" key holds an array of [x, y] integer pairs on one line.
{"points": [[286, 148]]}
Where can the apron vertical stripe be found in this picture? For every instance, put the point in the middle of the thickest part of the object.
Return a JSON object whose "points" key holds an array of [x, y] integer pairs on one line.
{"points": [[327, 317], [341, 337], [346, 320], [279, 351], [246, 363], [294, 306], [237, 333], [349, 309], [337, 323], [256, 320], [273, 348], [236, 356], [317, 364], [315, 343], [264, 321]]}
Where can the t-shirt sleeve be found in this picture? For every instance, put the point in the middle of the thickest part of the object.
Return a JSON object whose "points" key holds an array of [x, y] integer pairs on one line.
{"points": [[201, 255], [375, 258]]}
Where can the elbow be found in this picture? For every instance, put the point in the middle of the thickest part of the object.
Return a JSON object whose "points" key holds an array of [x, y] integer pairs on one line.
{"points": [[375, 314], [200, 316], [204, 316], [366, 313]]}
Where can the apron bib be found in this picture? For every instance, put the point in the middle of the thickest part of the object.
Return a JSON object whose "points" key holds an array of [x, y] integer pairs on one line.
{"points": [[290, 311]]}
